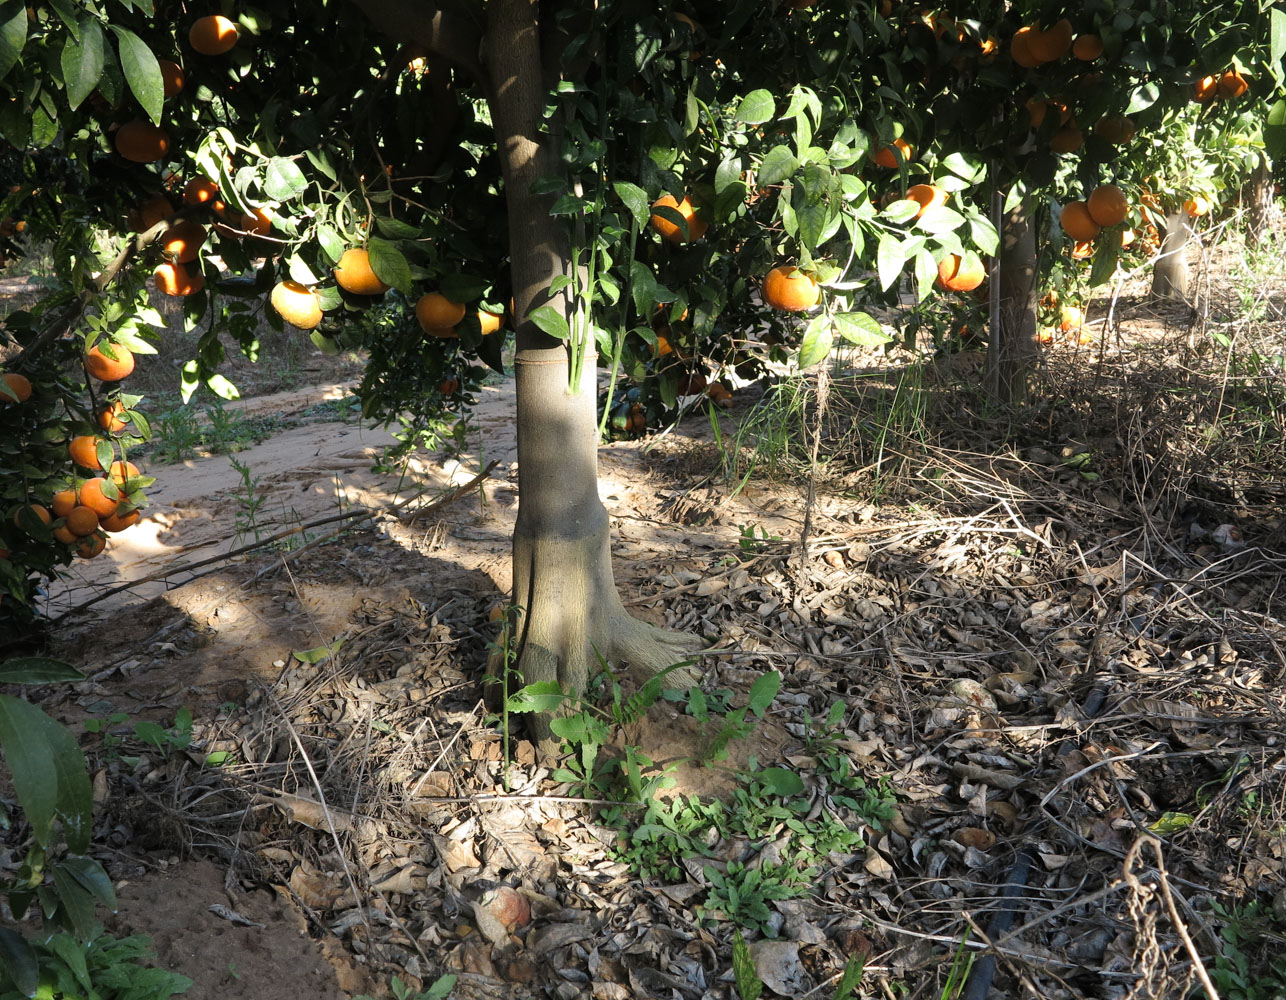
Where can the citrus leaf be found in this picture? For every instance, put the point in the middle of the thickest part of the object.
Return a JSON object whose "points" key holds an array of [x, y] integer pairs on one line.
{"points": [[816, 343], [35, 778], [860, 329], [389, 265], [1275, 131], [1144, 97], [16, 957], [777, 165], [332, 246], [926, 273], [13, 33], [396, 229], [38, 669], [888, 261], [756, 107], [82, 61], [763, 691], [283, 180], [543, 696], [551, 321], [635, 199], [142, 71]]}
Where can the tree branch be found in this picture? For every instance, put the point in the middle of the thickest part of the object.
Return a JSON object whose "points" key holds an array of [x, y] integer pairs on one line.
{"points": [[441, 33]]}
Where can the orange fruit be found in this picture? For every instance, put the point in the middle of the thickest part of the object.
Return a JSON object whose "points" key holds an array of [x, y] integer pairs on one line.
{"points": [[91, 546], [436, 312], [886, 157], [1052, 45], [199, 190], [119, 522], [1087, 48], [153, 211], [19, 519], [212, 35], [1077, 222], [296, 304], [443, 332], [1020, 49], [142, 142], [955, 275], [84, 451], [64, 502], [171, 76], [1128, 236], [988, 47], [449, 386], [790, 289], [82, 521], [93, 497], [106, 369], [670, 230], [1036, 109], [1197, 205], [19, 385], [109, 418], [1071, 318], [175, 279], [183, 241], [1232, 84], [663, 346], [1205, 89], [1082, 250], [928, 196], [258, 222], [1107, 205], [1116, 129], [66, 535], [1067, 139], [353, 273], [489, 322], [121, 471]]}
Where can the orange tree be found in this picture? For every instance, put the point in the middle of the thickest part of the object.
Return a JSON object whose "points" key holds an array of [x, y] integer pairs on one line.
{"points": [[498, 154]]}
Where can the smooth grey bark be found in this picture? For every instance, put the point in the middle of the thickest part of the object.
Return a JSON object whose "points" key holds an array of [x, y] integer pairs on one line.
{"points": [[1257, 200], [1170, 272], [1011, 356]]}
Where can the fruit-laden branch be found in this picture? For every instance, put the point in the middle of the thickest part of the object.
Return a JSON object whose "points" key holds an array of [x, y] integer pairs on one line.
{"points": [[440, 33]]}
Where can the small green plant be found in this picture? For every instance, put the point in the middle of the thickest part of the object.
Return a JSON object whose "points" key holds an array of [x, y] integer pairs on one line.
{"points": [[732, 723], [751, 987], [250, 503], [439, 990], [503, 664], [1249, 965], [178, 436], [753, 544]]}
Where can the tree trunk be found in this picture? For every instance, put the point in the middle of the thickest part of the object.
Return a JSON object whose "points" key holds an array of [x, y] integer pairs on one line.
{"points": [[570, 612], [1257, 200], [1170, 272], [1012, 354]]}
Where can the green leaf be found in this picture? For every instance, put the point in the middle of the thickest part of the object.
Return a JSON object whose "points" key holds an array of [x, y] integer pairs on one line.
{"points": [[940, 219], [1105, 261], [727, 172], [13, 34], [816, 343], [1276, 41], [543, 696], [82, 61], [76, 903], [1143, 97], [888, 261], [975, 172], [691, 113], [551, 321], [1171, 822], [37, 670], [283, 180], [396, 229], [317, 653], [332, 246], [35, 777], [568, 204], [635, 199], [763, 691], [777, 165], [749, 985], [142, 71], [851, 978], [389, 265], [17, 960], [781, 781], [860, 329], [89, 873], [221, 387], [72, 952], [756, 107], [926, 273], [1275, 131]]}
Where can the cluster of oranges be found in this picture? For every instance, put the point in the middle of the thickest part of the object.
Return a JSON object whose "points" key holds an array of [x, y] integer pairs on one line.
{"points": [[1228, 84], [1083, 221]]}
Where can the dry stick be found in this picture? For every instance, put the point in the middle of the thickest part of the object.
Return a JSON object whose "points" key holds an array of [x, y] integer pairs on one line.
{"points": [[1163, 881], [360, 514]]}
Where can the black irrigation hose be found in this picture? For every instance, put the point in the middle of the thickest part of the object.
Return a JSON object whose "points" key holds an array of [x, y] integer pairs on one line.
{"points": [[984, 969]]}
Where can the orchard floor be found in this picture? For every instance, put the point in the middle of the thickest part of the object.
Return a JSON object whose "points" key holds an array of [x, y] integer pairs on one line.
{"points": [[1058, 648]]}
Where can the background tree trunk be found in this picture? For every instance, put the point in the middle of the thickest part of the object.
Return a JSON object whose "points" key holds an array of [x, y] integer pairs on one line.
{"points": [[1257, 200], [1013, 349], [1170, 272], [570, 613]]}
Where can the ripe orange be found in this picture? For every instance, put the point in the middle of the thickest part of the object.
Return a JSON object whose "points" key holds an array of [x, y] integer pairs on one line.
{"points": [[119, 522], [1232, 84], [489, 322], [1082, 250], [928, 196], [106, 369], [1116, 129], [1020, 48], [436, 312], [296, 304], [1067, 139], [886, 157], [156, 209], [64, 502], [66, 535], [1197, 205], [1087, 48], [1205, 89], [20, 519], [142, 142], [171, 77], [663, 346], [790, 289], [212, 35], [1071, 318], [93, 497], [988, 47], [955, 275], [91, 546], [1052, 45], [19, 385], [1108, 205], [183, 241], [449, 386], [258, 222], [84, 451], [120, 472], [1077, 222], [199, 190], [82, 521], [353, 273], [109, 419], [670, 230], [175, 279]]}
